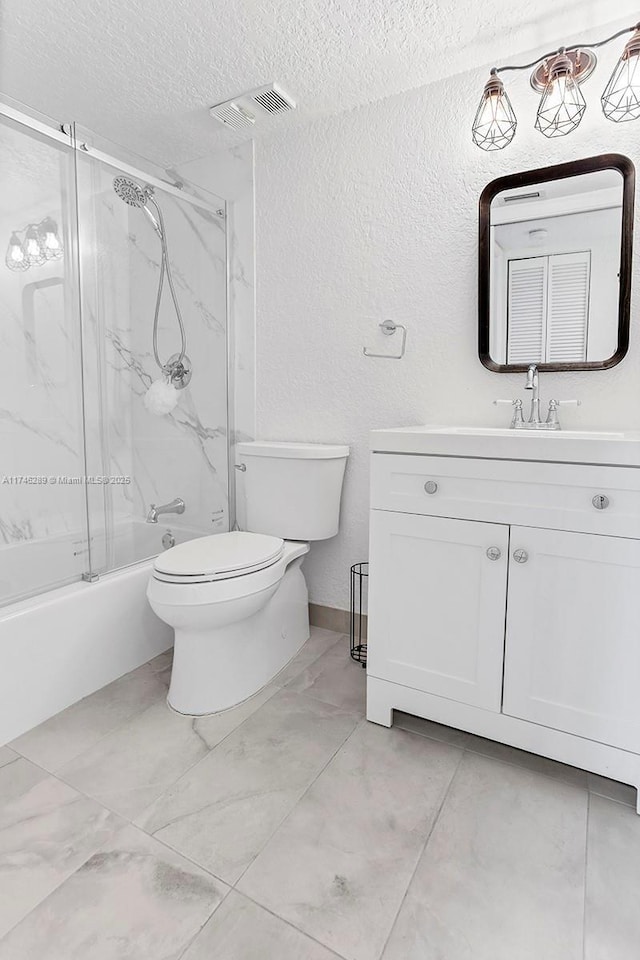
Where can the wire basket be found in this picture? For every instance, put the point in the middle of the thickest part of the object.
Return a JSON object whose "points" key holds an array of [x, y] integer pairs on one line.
{"points": [[358, 612]]}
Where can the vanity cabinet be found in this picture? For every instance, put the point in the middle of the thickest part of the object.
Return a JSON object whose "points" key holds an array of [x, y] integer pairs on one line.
{"points": [[504, 599]]}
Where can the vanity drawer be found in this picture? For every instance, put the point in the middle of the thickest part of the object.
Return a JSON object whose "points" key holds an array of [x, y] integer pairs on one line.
{"points": [[562, 496]]}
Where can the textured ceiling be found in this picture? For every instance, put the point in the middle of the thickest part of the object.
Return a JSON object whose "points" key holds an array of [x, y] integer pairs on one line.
{"points": [[143, 72]]}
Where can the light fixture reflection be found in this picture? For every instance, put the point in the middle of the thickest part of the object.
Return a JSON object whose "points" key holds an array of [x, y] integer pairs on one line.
{"points": [[621, 97], [49, 239], [495, 122], [562, 105], [15, 258]]}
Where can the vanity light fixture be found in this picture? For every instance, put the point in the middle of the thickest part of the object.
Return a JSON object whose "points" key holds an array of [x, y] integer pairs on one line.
{"points": [[557, 76], [41, 243]]}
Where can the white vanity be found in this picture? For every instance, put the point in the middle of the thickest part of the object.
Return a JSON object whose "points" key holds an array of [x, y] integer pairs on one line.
{"points": [[504, 592]]}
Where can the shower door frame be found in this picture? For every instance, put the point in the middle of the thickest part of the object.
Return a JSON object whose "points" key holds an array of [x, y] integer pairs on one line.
{"points": [[67, 134]]}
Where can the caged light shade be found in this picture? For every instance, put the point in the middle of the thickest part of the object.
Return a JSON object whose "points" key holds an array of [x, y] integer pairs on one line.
{"points": [[621, 97], [562, 105], [495, 122]]}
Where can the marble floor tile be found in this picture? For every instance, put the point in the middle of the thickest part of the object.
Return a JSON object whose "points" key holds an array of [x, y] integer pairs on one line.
{"points": [[428, 728], [7, 755], [611, 789], [334, 678], [17, 777], [133, 900], [131, 767], [318, 643], [502, 876], [76, 729], [45, 834], [241, 930], [221, 813], [340, 864], [531, 761], [612, 922]]}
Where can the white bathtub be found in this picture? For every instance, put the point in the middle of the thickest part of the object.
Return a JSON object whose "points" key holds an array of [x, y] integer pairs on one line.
{"points": [[62, 645]]}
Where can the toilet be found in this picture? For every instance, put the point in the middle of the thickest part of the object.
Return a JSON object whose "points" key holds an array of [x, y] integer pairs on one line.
{"points": [[238, 601]]}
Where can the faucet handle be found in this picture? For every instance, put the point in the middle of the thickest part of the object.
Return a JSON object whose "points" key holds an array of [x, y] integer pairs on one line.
{"points": [[552, 416], [517, 410]]}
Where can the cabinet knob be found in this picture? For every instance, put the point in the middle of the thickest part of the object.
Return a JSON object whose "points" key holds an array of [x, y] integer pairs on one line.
{"points": [[431, 486], [520, 556], [600, 501], [494, 553]]}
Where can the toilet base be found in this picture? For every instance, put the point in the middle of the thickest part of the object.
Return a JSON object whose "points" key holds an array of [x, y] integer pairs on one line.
{"points": [[217, 668]]}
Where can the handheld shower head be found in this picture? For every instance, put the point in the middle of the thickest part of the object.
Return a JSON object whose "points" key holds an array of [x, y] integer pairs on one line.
{"points": [[129, 191], [133, 194]]}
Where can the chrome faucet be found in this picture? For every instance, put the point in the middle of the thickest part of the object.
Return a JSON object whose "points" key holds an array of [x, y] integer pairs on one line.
{"points": [[176, 506], [535, 421], [533, 384]]}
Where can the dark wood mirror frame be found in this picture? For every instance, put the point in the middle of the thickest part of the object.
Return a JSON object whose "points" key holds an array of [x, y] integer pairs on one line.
{"points": [[607, 161]]}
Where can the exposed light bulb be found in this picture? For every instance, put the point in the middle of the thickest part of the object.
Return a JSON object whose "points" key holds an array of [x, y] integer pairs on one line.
{"points": [[495, 122], [562, 105], [621, 97], [15, 258]]}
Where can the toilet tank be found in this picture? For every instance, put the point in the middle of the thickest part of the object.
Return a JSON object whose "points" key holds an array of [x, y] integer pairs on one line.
{"points": [[291, 490]]}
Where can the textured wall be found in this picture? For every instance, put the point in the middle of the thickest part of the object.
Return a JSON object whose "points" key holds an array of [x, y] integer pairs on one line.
{"points": [[373, 214]]}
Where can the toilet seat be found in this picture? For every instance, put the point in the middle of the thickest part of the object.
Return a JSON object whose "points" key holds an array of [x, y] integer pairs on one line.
{"points": [[222, 556]]}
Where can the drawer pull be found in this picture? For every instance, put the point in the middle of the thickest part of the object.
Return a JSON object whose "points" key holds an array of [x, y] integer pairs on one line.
{"points": [[600, 501], [494, 553], [431, 486], [520, 556]]}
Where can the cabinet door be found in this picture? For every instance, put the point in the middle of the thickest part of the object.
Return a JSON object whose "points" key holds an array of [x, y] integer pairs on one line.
{"points": [[437, 605], [573, 634]]}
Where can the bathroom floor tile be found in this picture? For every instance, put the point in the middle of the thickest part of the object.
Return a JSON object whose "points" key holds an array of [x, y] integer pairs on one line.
{"points": [[428, 728], [612, 789], [221, 813], [76, 729], [45, 834], [503, 873], [7, 755], [612, 923], [334, 678], [340, 864], [129, 768], [241, 930], [17, 777], [132, 900], [531, 761], [319, 642]]}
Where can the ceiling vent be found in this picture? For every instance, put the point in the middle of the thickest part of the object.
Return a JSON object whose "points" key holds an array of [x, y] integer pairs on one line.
{"points": [[250, 108]]}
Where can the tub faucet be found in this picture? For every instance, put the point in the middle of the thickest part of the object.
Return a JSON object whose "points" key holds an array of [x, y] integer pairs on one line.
{"points": [[176, 506]]}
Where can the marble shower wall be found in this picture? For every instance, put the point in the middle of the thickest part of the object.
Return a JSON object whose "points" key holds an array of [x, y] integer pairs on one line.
{"points": [[182, 454]]}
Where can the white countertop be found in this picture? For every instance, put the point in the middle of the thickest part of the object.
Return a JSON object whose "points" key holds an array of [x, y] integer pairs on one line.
{"points": [[566, 446]]}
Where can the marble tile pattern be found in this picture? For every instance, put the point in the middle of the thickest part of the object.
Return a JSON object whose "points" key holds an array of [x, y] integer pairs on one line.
{"points": [[123, 828]]}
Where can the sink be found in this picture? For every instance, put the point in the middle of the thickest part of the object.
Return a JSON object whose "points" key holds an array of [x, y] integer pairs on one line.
{"points": [[501, 443]]}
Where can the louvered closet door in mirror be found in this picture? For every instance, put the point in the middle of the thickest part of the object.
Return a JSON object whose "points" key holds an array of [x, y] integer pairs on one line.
{"points": [[555, 266], [548, 308]]}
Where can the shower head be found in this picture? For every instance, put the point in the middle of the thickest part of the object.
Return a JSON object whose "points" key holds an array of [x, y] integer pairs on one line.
{"points": [[129, 191], [133, 194]]}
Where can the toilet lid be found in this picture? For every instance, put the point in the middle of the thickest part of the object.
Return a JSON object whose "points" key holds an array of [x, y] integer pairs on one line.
{"points": [[224, 553]]}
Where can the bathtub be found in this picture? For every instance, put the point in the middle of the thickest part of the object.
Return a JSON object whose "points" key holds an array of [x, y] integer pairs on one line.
{"points": [[66, 643]]}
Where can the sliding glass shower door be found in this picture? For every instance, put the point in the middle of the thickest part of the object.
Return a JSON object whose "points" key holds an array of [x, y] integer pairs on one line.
{"points": [[82, 458], [43, 516]]}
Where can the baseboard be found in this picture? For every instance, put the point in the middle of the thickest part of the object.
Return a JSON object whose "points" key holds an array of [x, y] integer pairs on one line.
{"points": [[332, 618]]}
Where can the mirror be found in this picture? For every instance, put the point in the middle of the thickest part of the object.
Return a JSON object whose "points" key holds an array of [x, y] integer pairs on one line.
{"points": [[555, 266]]}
